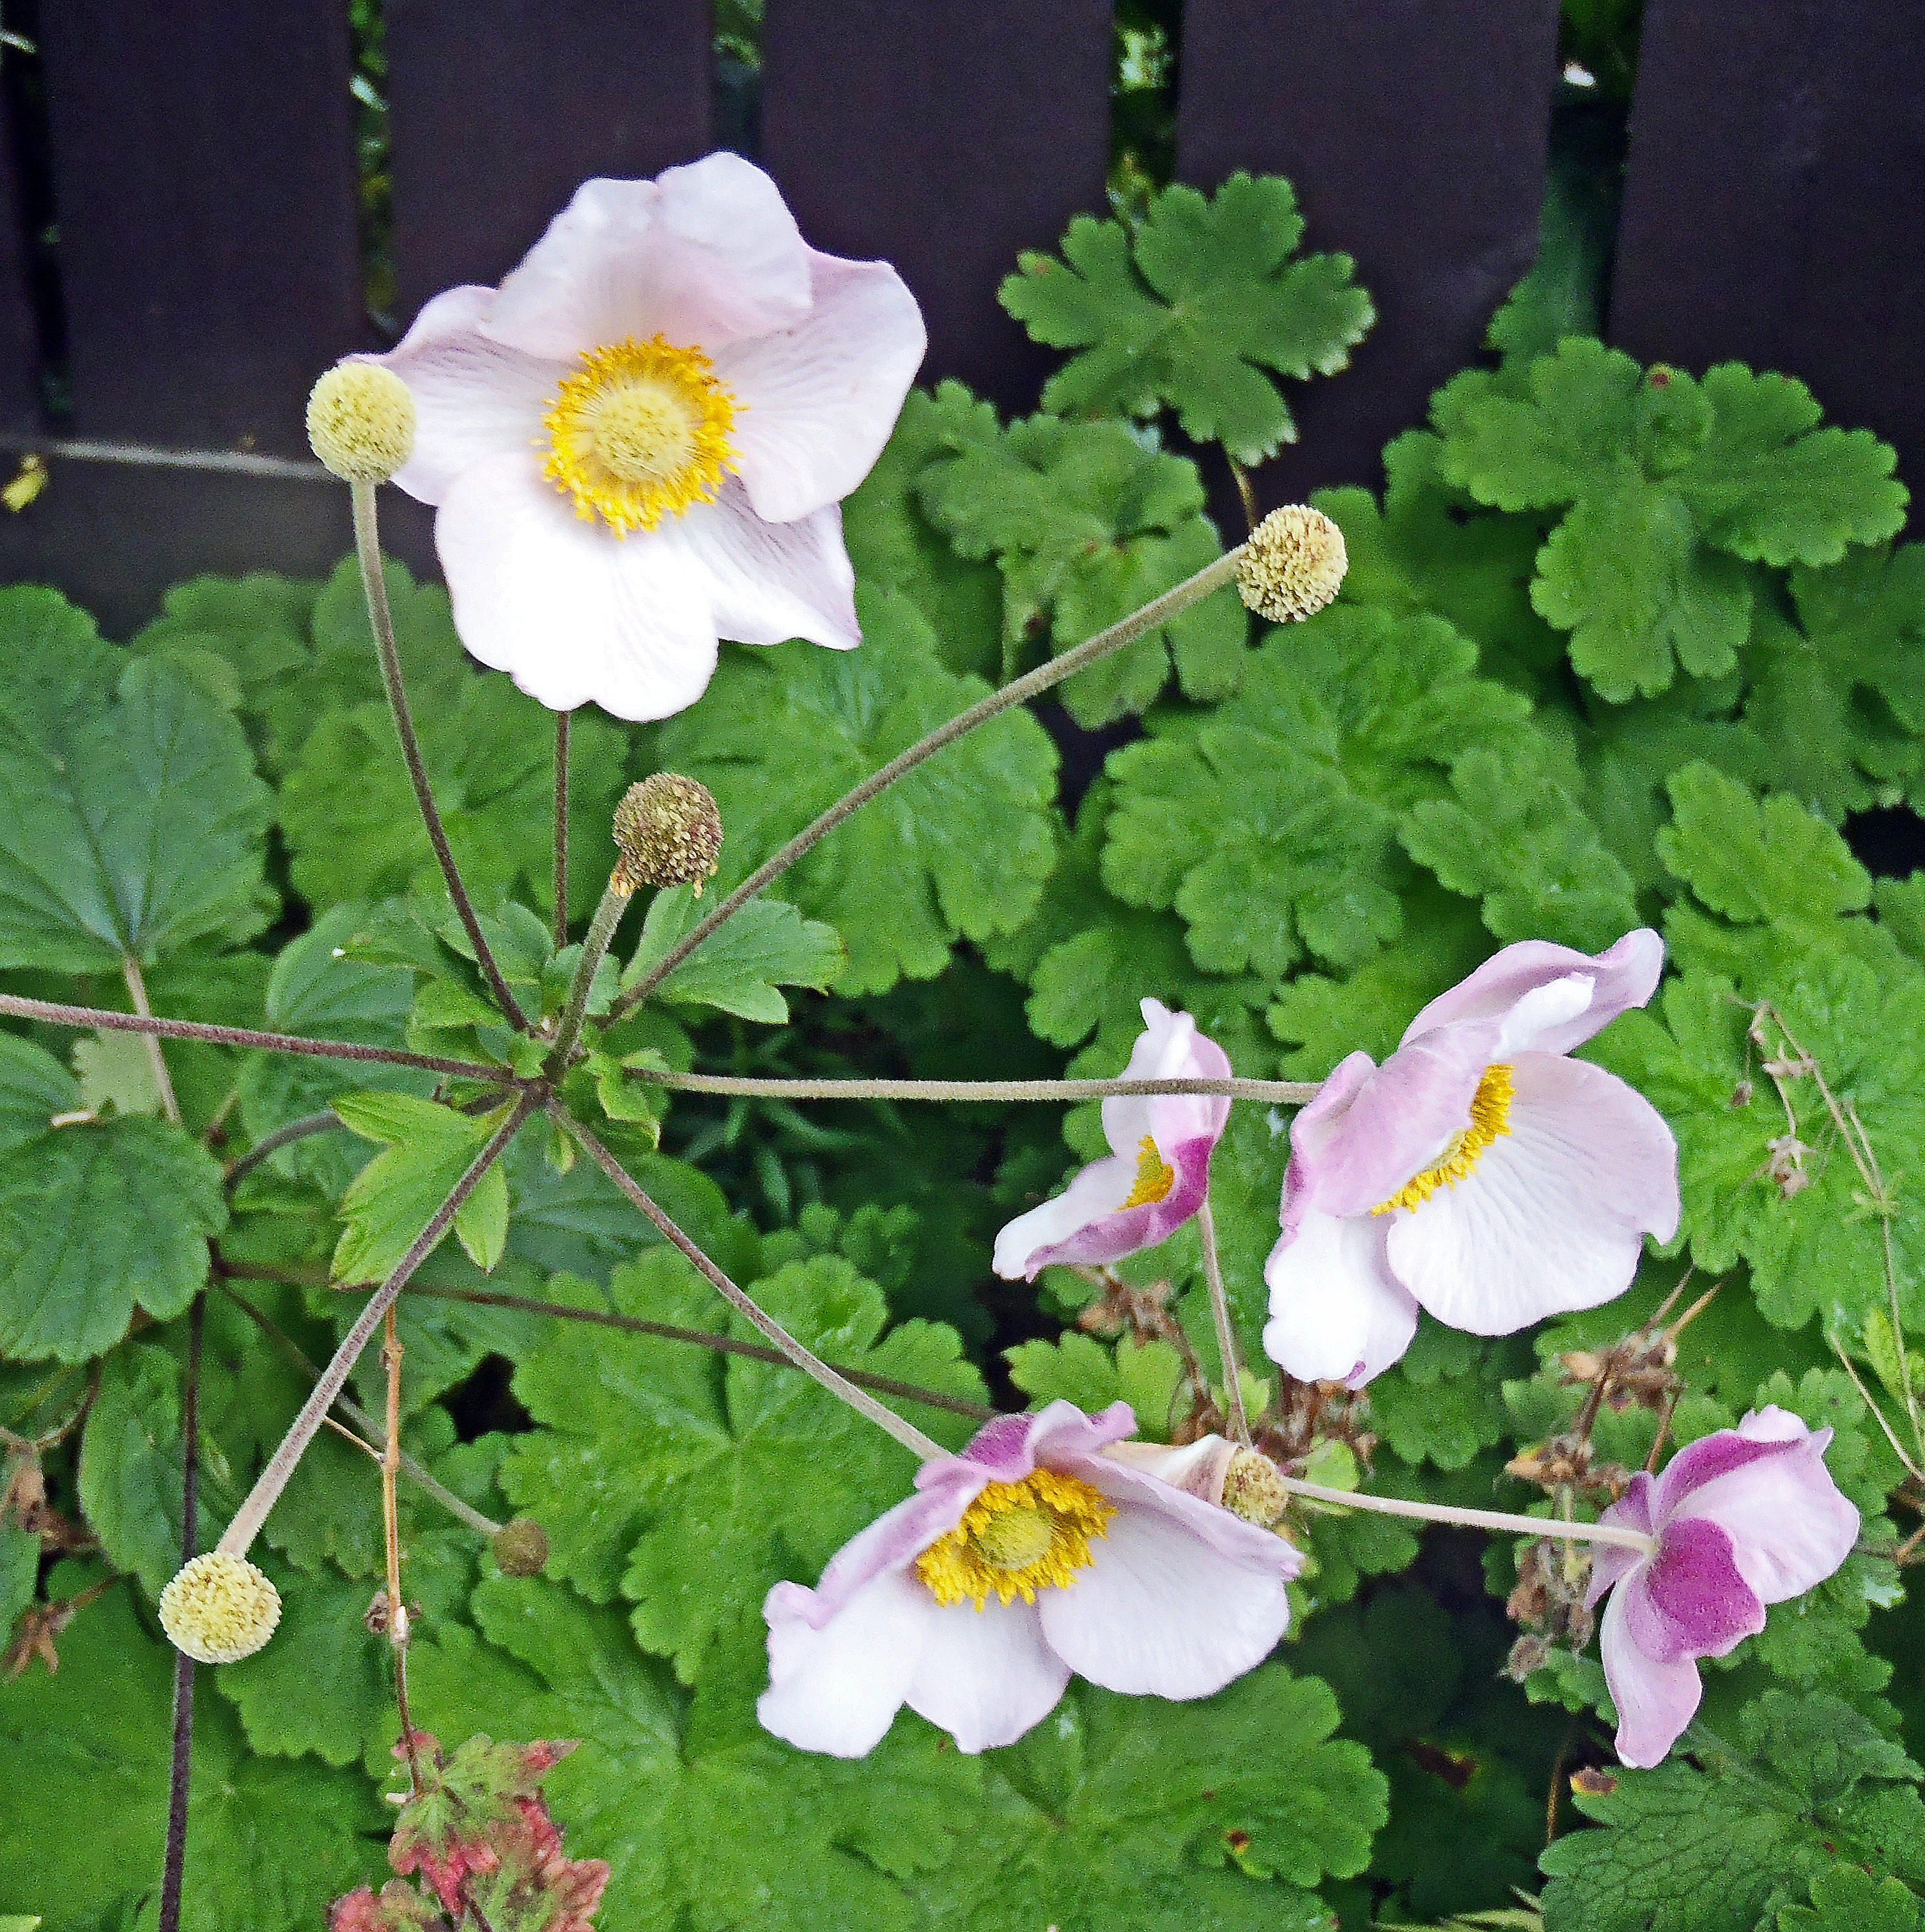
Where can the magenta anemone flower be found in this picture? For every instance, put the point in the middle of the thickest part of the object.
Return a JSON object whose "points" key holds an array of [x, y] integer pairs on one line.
{"points": [[1029, 1555], [639, 443], [1156, 1176], [1741, 1518], [1479, 1172]]}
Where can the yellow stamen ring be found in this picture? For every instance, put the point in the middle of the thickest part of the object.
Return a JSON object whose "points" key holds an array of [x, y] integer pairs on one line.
{"points": [[1015, 1539], [1154, 1179], [640, 432], [1490, 1121]]}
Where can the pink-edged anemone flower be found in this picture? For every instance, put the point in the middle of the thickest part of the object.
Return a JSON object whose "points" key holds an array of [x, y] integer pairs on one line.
{"points": [[1744, 1518], [1479, 1172], [1158, 1173], [1030, 1556], [639, 443]]}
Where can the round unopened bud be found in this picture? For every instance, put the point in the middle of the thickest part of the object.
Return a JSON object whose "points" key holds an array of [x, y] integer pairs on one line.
{"points": [[219, 1608], [1253, 1489], [669, 832], [1293, 564], [361, 421], [521, 1547]]}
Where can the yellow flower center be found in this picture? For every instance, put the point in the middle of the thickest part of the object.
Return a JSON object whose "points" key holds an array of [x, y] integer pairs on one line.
{"points": [[1153, 1179], [1490, 1119], [640, 432], [1015, 1539]]}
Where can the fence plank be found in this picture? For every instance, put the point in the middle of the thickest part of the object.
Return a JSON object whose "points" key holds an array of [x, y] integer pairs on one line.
{"points": [[943, 137], [501, 109], [1776, 169], [1415, 131], [20, 347]]}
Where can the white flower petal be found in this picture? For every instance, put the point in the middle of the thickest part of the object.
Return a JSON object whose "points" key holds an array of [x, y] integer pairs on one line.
{"points": [[837, 1689], [1097, 1190], [572, 612], [820, 397], [1554, 1215], [1337, 1314], [985, 1676], [1655, 1701], [769, 582], [1169, 1047]]}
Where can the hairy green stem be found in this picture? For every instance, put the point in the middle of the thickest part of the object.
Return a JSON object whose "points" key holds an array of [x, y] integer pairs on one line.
{"points": [[1558, 1528], [1284, 1093], [246, 1525], [837, 1384], [562, 829], [374, 586], [1154, 614], [1226, 1337], [595, 949]]}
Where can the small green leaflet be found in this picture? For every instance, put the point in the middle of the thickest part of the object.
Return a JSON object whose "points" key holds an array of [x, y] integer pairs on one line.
{"points": [[1077, 1368], [1847, 1899], [131, 818], [429, 1148], [739, 966], [1201, 306]]}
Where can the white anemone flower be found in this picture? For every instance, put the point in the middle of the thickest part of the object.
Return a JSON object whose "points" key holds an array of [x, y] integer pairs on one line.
{"points": [[638, 445]]}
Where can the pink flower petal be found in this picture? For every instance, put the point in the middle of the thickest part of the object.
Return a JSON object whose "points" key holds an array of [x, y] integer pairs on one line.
{"points": [[769, 582], [704, 255], [946, 1489], [986, 1676], [1624, 976], [1169, 1047], [1059, 1436], [1655, 1701], [1182, 1597], [1690, 1600], [1337, 1313], [1610, 1562], [821, 396], [837, 1688], [1553, 1216], [474, 398]]}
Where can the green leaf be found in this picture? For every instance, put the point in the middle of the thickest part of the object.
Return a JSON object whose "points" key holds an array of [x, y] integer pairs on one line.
{"points": [[1846, 1899], [739, 966], [960, 848], [1201, 307], [429, 1148], [131, 1463], [19, 1571], [131, 819], [1077, 1368], [1443, 1401]]}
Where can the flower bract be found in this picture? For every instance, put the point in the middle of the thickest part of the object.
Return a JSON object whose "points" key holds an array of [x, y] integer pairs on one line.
{"points": [[1480, 1172], [638, 444], [1158, 1173], [1030, 1556], [1743, 1518]]}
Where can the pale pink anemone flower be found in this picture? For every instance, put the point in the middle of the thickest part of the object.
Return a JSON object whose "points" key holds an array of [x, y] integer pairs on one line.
{"points": [[1158, 1173], [1479, 1172], [1030, 1556], [1744, 1518], [639, 443]]}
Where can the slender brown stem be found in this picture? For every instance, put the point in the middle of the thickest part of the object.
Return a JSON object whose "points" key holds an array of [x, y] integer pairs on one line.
{"points": [[304, 1128], [181, 1762], [53, 1014], [374, 586], [1158, 612], [837, 1384], [1252, 516], [1226, 1336], [1283, 1093], [137, 992], [241, 1532], [702, 1338], [562, 719], [391, 1532]]}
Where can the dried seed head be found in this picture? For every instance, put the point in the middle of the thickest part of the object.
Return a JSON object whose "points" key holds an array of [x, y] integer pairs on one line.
{"points": [[521, 1547], [1253, 1489], [219, 1608], [669, 832], [1293, 564], [361, 421]]}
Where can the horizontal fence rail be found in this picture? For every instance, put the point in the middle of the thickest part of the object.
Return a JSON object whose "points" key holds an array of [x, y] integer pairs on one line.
{"points": [[207, 199]]}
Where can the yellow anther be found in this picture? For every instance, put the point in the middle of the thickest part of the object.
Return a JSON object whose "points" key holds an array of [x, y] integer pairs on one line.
{"points": [[1015, 1539], [1154, 1179], [1490, 1121]]}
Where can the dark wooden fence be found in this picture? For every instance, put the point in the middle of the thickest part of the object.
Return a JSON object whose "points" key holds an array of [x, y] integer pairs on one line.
{"points": [[203, 167]]}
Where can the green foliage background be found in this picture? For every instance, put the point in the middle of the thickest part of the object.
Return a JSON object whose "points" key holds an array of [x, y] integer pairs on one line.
{"points": [[1616, 645]]}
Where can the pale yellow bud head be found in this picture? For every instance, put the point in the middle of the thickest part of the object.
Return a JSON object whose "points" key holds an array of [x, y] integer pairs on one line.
{"points": [[361, 421], [1293, 564], [1253, 1489], [219, 1608]]}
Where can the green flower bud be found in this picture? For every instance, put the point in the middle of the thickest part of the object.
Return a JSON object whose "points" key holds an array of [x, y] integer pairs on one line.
{"points": [[521, 1547]]}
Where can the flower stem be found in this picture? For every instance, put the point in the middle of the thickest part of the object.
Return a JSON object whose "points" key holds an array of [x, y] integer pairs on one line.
{"points": [[181, 1762], [595, 949], [1559, 1528], [562, 719], [837, 1384], [304, 1128], [1226, 1337], [52, 1014], [137, 992], [1158, 612], [1285, 1092], [241, 1532], [374, 586]]}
